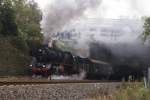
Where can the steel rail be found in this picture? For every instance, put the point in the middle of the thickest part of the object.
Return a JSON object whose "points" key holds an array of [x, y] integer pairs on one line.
{"points": [[52, 82]]}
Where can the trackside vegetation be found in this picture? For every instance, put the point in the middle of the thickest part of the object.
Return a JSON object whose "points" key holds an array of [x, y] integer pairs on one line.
{"points": [[19, 33]]}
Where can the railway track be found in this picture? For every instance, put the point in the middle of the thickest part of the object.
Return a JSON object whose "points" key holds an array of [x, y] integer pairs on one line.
{"points": [[51, 82]]}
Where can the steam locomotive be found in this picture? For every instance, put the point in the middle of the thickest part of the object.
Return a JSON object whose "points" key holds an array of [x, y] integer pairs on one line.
{"points": [[48, 61]]}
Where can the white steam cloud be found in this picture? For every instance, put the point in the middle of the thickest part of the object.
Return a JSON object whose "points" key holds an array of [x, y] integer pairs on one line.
{"points": [[61, 12], [116, 9], [58, 15], [79, 76]]}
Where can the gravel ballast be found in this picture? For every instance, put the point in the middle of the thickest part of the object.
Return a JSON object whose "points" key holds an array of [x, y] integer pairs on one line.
{"points": [[78, 91]]}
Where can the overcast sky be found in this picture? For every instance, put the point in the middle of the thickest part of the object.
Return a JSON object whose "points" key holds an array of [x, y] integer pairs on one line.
{"points": [[113, 8]]}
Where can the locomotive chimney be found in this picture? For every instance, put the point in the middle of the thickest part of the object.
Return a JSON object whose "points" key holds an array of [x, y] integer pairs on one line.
{"points": [[52, 43]]}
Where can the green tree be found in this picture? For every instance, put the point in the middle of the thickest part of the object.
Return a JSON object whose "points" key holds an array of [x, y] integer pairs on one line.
{"points": [[7, 19], [0, 19], [28, 17], [21, 18]]}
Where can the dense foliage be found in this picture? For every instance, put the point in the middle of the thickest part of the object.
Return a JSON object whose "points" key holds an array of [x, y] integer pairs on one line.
{"points": [[7, 19], [19, 33], [21, 18]]}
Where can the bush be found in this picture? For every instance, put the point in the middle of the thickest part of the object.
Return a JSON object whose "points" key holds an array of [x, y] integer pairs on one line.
{"points": [[127, 91], [33, 43], [12, 61], [19, 43]]}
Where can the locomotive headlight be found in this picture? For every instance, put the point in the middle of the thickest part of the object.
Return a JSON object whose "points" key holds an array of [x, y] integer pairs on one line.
{"points": [[44, 66], [30, 65]]}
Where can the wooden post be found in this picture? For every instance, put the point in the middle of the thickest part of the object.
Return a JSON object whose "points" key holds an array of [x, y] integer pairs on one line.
{"points": [[148, 78]]}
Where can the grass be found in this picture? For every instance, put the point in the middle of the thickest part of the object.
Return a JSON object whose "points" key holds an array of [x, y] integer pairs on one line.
{"points": [[128, 92], [132, 92]]}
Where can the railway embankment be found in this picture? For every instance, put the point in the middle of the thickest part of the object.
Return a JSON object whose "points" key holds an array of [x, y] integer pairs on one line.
{"points": [[69, 91]]}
